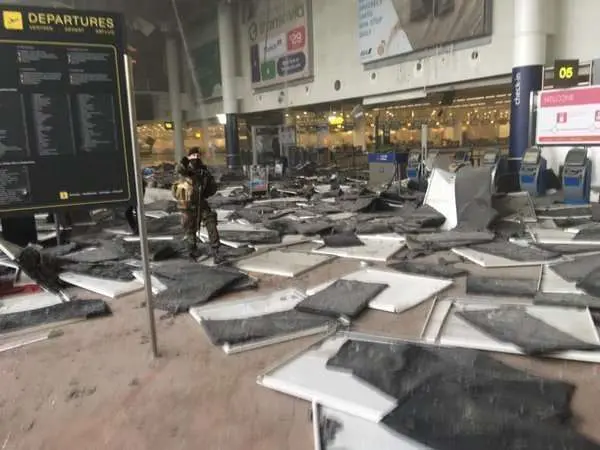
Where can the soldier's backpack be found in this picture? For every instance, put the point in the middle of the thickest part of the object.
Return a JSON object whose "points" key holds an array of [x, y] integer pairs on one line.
{"points": [[183, 191]]}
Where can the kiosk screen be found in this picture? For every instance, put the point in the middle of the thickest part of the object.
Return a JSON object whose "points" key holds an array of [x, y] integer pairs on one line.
{"points": [[576, 157], [489, 158], [531, 157], [414, 157]]}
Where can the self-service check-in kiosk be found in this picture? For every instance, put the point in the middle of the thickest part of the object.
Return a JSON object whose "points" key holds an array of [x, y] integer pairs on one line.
{"points": [[462, 157], [498, 164], [531, 174], [413, 166], [576, 177]]}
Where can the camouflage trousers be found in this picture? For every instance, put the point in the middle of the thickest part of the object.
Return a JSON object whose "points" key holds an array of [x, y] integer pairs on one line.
{"points": [[191, 220]]}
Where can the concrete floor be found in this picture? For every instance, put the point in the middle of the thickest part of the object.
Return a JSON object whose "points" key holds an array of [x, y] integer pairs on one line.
{"points": [[96, 387]]}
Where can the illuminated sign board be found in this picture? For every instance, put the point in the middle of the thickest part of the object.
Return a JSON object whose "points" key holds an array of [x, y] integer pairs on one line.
{"points": [[566, 73]]}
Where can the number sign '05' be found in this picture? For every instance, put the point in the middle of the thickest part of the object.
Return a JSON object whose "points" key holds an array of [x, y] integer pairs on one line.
{"points": [[566, 73]]}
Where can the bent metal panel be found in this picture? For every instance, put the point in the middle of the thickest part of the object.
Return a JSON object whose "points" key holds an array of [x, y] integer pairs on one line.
{"points": [[65, 133], [388, 28]]}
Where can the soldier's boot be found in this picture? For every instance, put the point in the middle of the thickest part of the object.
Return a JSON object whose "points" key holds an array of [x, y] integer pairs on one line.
{"points": [[218, 257]]}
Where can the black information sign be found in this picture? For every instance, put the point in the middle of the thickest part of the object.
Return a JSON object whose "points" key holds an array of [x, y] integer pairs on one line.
{"points": [[64, 120], [566, 73]]}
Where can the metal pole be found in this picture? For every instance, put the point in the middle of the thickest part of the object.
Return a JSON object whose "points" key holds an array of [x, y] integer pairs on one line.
{"points": [[57, 228], [140, 208]]}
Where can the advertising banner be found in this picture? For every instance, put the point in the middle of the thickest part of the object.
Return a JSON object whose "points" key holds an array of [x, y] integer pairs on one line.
{"points": [[388, 28], [569, 116], [279, 40], [525, 80], [65, 134]]}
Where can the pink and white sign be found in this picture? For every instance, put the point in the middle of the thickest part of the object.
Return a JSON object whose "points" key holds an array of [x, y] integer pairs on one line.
{"points": [[569, 116]]}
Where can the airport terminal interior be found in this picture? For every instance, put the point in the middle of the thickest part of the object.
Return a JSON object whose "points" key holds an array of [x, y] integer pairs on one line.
{"points": [[299, 224]]}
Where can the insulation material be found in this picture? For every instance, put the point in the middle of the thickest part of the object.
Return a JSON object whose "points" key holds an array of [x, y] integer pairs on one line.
{"points": [[533, 336], [440, 196], [192, 286], [473, 196], [76, 309], [567, 300], [307, 377], [108, 288], [278, 326], [591, 283], [578, 268], [21, 303], [486, 397], [393, 237], [445, 328], [564, 212], [284, 264], [339, 430], [111, 270], [342, 240], [372, 250], [342, 298], [478, 285], [404, 291], [517, 206], [433, 242], [430, 270]]}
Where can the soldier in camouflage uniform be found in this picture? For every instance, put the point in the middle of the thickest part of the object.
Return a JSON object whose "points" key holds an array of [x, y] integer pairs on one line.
{"points": [[191, 192]]}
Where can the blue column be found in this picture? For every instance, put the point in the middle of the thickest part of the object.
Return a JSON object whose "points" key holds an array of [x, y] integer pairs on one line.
{"points": [[529, 57], [232, 141], [525, 80]]}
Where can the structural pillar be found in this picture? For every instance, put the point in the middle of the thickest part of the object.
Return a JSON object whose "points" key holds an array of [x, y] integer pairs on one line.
{"points": [[227, 54], [174, 79], [528, 69]]}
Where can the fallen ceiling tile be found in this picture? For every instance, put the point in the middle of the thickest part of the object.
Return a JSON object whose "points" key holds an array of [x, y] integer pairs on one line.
{"points": [[284, 264], [445, 328], [340, 430], [374, 250], [108, 288], [306, 377], [342, 299], [404, 291], [20, 303], [55, 313], [493, 261], [441, 196], [552, 283]]}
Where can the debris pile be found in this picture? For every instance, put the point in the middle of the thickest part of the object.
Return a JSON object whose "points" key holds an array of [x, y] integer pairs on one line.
{"points": [[442, 390]]}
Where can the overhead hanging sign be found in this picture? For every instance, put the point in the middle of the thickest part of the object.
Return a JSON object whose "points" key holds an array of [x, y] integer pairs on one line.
{"points": [[566, 73], [64, 133], [279, 40], [569, 116], [388, 28]]}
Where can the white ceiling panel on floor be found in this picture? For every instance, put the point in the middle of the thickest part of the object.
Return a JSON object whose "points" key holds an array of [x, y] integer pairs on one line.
{"points": [[492, 261], [284, 264], [307, 377], [109, 288], [552, 283], [376, 250], [446, 329], [360, 434], [404, 291], [28, 302]]}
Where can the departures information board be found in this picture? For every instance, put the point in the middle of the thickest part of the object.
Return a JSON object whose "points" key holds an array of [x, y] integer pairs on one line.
{"points": [[64, 121]]}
